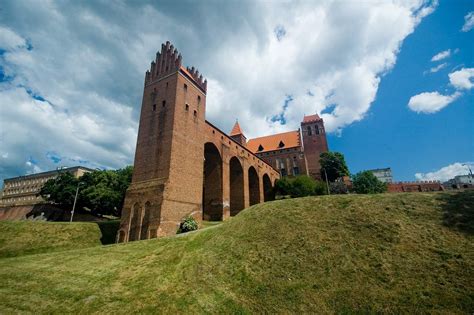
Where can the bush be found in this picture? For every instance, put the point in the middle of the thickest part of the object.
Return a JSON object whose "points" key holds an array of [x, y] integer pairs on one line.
{"points": [[302, 186], [337, 188], [299, 186], [187, 225], [366, 183]]}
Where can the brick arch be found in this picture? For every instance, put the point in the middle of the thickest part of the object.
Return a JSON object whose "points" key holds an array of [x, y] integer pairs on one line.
{"points": [[253, 186], [268, 193], [145, 221], [236, 186], [212, 202], [135, 222]]}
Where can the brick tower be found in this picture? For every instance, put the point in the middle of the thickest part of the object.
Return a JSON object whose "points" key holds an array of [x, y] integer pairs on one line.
{"points": [[167, 181], [314, 143]]}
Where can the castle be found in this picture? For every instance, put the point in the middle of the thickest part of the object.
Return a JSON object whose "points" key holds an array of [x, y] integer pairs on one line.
{"points": [[186, 166]]}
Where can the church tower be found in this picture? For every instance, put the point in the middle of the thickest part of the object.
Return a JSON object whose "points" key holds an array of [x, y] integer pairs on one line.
{"points": [[169, 146], [314, 143]]}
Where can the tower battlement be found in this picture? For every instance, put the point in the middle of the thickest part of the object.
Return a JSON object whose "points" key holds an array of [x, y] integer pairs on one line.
{"points": [[168, 61]]}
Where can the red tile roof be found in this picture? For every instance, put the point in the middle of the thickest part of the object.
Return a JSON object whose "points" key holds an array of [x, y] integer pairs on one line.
{"points": [[311, 118], [289, 139], [236, 130]]}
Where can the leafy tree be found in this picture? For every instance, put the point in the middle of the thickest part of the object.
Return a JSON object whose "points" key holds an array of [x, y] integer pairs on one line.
{"points": [[334, 164], [283, 186], [366, 183], [60, 190], [102, 192]]}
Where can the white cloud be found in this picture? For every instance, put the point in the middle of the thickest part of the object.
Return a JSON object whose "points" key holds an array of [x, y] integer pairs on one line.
{"points": [[438, 67], [468, 22], [431, 102], [445, 173], [442, 55], [88, 61], [461, 79], [10, 40]]}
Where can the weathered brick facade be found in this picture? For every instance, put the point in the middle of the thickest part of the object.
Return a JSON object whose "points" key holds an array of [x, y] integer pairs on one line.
{"points": [[183, 164]]}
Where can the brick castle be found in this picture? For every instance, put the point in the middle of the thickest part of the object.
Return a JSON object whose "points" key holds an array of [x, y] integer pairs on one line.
{"points": [[184, 165]]}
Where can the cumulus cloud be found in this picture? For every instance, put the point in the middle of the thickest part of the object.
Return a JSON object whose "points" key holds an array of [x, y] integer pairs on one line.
{"points": [[442, 55], [445, 173], [468, 22], [80, 67], [462, 79], [431, 102]]}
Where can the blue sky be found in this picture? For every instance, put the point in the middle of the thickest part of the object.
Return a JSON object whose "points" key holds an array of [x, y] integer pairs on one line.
{"points": [[71, 77], [394, 136]]}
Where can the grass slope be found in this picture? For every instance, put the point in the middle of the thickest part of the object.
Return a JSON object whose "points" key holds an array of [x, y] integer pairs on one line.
{"points": [[387, 253], [32, 237]]}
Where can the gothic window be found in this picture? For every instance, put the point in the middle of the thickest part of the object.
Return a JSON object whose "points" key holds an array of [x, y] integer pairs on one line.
{"points": [[187, 107], [316, 129], [185, 88], [309, 130], [199, 99], [195, 113]]}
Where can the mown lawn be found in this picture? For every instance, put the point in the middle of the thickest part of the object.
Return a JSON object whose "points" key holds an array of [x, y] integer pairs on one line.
{"points": [[388, 253]]}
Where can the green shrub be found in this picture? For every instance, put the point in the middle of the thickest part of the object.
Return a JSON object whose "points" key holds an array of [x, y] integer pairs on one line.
{"points": [[302, 186], [366, 183], [283, 186], [321, 188], [187, 225], [338, 188]]}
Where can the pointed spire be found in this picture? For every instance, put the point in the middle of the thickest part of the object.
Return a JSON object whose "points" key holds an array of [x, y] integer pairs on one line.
{"points": [[236, 130]]}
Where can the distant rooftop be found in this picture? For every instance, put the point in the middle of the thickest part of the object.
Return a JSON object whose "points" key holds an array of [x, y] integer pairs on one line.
{"points": [[278, 141], [66, 169]]}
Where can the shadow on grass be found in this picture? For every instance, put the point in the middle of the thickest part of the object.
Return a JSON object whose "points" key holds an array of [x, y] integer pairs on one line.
{"points": [[458, 210], [109, 231]]}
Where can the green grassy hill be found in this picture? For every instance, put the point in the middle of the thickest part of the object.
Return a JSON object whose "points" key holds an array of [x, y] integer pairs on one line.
{"points": [[32, 237], [387, 253]]}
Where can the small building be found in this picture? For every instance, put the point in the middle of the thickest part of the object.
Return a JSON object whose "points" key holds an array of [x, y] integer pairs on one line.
{"points": [[24, 190], [460, 181], [383, 174]]}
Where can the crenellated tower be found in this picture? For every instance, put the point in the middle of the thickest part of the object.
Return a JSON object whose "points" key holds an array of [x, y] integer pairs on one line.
{"points": [[166, 184]]}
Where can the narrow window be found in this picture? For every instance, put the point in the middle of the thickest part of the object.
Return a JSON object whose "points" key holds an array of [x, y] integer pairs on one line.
{"points": [[154, 107], [199, 99], [163, 103], [185, 88], [316, 129], [187, 107], [195, 113], [309, 131]]}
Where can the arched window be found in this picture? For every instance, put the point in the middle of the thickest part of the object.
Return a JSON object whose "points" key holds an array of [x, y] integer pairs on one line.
{"points": [[185, 88], [316, 129], [309, 130]]}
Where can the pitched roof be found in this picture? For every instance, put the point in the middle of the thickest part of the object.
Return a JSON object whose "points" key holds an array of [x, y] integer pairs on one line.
{"points": [[236, 130], [278, 141], [311, 118]]}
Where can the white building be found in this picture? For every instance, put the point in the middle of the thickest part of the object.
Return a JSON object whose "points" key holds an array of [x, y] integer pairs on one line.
{"points": [[383, 174]]}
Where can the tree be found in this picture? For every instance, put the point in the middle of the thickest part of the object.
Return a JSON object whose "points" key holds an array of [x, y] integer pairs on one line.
{"points": [[101, 191], [366, 183], [60, 190], [299, 186], [334, 164]]}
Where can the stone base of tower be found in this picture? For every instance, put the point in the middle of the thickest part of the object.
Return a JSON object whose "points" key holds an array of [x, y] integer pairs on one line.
{"points": [[148, 213]]}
